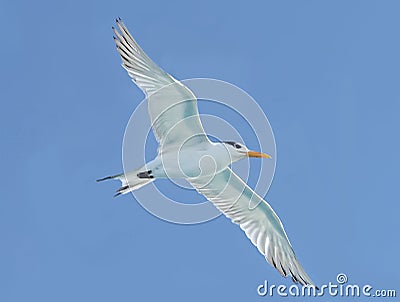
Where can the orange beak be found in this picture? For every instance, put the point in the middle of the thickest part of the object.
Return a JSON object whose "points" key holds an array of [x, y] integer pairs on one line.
{"points": [[258, 154]]}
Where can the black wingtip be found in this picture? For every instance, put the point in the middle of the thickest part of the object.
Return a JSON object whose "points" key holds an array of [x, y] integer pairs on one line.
{"points": [[117, 194], [119, 19], [283, 270]]}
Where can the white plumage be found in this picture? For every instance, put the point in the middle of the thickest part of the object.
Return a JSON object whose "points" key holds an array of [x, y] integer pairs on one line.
{"points": [[183, 146]]}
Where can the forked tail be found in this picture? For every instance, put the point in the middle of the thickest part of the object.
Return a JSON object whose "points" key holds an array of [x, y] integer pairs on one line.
{"points": [[130, 182]]}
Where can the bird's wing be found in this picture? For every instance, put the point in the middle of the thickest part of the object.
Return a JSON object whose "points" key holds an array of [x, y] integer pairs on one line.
{"points": [[172, 106], [235, 199]]}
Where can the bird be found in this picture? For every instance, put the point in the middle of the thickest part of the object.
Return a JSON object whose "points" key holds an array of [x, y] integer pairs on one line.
{"points": [[185, 151]]}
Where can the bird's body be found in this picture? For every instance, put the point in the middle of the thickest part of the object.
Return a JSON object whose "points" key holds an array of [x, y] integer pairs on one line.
{"points": [[191, 161], [186, 152]]}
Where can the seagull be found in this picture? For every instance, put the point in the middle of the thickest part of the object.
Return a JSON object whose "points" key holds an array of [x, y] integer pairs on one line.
{"points": [[186, 152]]}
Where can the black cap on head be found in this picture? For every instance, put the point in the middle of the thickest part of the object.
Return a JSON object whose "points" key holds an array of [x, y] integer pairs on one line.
{"points": [[233, 144]]}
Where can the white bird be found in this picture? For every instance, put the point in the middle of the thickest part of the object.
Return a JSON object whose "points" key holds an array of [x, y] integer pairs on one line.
{"points": [[185, 151]]}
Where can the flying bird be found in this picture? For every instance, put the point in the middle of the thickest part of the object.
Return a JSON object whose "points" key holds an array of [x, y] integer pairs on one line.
{"points": [[186, 152]]}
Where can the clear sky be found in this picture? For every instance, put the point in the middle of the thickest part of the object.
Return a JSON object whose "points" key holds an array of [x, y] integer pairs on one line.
{"points": [[326, 73]]}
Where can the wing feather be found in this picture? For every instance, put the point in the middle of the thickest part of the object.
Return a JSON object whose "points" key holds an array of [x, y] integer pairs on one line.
{"points": [[234, 198], [172, 106]]}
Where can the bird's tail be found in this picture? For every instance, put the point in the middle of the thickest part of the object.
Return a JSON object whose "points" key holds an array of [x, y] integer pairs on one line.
{"points": [[130, 182]]}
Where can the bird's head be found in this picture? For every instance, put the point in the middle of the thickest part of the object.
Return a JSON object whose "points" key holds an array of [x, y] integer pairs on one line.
{"points": [[239, 151]]}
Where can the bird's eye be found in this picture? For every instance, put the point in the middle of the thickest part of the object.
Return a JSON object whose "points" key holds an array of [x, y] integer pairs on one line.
{"points": [[237, 146]]}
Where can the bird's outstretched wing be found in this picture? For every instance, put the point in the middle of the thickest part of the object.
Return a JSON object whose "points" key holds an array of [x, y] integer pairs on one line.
{"points": [[234, 198], [172, 106]]}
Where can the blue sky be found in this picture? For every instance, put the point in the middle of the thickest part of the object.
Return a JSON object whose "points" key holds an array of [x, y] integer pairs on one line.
{"points": [[326, 74]]}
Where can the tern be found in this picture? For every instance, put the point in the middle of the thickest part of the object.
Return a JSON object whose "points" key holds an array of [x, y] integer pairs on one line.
{"points": [[185, 152]]}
